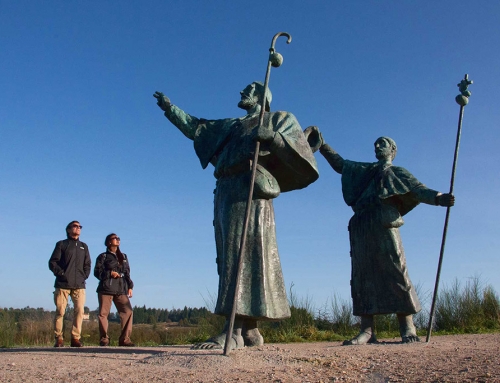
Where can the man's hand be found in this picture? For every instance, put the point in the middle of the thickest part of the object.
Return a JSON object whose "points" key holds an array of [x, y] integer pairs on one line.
{"points": [[129, 293], [264, 134], [115, 275], [446, 200], [162, 101]]}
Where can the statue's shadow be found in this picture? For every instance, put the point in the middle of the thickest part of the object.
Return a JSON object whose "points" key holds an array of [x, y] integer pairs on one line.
{"points": [[91, 351]]}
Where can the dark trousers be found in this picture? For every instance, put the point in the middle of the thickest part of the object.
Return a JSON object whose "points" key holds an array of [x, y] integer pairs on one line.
{"points": [[124, 308]]}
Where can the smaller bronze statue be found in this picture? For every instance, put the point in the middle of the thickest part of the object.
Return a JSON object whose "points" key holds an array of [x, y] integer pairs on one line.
{"points": [[380, 194]]}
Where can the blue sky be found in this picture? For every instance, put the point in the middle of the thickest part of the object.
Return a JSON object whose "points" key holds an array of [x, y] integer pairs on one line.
{"points": [[82, 138]]}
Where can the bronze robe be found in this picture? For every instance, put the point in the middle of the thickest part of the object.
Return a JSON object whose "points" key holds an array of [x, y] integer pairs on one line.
{"points": [[379, 197], [285, 164]]}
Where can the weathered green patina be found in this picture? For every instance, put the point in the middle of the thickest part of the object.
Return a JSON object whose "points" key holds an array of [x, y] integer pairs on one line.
{"points": [[285, 163], [380, 194]]}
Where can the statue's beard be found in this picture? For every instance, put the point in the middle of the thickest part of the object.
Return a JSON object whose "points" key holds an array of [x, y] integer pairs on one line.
{"points": [[383, 155], [247, 103]]}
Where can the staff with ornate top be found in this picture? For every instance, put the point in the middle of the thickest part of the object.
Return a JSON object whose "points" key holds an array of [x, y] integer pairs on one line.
{"points": [[462, 99], [275, 59]]}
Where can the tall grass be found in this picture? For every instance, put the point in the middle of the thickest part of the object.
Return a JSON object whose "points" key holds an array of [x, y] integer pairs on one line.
{"points": [[343, 322], [470, 308], [8, 329], [301, 326], [34, 328]]}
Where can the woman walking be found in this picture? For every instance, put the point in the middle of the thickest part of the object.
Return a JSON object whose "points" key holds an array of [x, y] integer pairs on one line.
{"points": [[113, 271]]}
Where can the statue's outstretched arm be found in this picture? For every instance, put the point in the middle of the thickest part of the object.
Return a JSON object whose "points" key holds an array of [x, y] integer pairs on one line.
{"points": [[433, 197], [334, 159], [186, 123], [315, 140]]}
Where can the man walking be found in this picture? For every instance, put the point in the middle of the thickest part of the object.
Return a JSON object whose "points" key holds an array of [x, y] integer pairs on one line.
{"points": [[70, 263]]}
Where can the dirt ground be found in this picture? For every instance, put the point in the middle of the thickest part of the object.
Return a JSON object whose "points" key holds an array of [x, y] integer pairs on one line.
{"points": [[454, 358]]}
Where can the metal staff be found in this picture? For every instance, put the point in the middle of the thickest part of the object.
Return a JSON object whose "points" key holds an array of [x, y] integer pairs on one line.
{"points": [[275, 60], [462, 99]]}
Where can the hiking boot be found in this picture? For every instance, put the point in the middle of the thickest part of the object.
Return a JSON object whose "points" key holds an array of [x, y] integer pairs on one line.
{"points": [[76, 343], [59, 342]]}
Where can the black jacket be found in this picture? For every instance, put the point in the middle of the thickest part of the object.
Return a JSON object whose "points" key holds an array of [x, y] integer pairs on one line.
{"points": [[70, 263], [104, 265]]}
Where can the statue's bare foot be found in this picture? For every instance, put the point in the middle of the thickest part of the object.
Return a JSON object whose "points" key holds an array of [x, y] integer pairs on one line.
{"points": [[253, 338], [362, 338], [407, 328], [218, 342], [410, 339]]}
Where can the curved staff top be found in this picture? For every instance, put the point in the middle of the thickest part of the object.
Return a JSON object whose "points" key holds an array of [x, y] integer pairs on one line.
{"points": [[275, 60]]}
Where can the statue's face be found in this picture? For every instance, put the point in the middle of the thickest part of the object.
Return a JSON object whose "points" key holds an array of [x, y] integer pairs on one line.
{"points": [[383, 149], [249, 97]]}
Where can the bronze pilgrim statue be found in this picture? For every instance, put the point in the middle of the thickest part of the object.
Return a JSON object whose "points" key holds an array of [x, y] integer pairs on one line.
{"points": [[285, 163], [380, 194]]}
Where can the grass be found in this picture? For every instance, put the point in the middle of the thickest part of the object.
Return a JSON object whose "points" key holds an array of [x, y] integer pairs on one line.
{"points": [[472, 307]]}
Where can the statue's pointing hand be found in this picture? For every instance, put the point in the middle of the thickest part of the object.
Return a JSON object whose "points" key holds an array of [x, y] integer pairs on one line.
{"points": [[445, 199], [162, 100]]}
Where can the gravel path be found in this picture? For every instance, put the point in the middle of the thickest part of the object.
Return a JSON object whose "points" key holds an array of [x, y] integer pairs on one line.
{"points": [[454, 358]]}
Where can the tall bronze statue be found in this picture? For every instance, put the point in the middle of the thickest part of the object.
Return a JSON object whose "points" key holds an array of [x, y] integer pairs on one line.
{"points": [[285, 163], [380, 194]]}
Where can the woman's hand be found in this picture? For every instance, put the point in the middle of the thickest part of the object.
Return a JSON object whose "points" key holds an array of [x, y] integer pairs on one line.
{"points": [[115, 275], [129, 293]]}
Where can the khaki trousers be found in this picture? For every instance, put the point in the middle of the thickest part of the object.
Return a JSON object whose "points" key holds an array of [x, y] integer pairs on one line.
{"points": [[124, 308], [61, 301]]}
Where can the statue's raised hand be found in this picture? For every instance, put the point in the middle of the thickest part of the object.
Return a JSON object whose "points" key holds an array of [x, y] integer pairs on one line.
{"points": [[162, 100], [314, 138]]}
